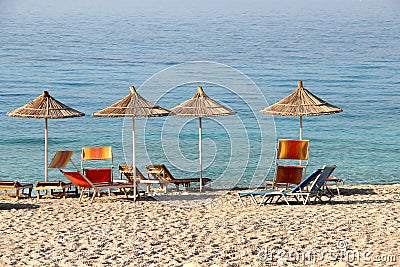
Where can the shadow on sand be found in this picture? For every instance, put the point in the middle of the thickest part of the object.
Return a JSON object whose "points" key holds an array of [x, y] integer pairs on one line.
{"points": [[17, 206], [357, 191]]}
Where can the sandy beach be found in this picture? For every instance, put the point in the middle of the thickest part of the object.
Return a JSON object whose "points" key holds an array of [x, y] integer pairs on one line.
{"points": [[359, 228]]}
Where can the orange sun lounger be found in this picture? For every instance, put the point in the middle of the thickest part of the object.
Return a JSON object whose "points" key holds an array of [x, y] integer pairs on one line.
{"points": [[81, 181]]}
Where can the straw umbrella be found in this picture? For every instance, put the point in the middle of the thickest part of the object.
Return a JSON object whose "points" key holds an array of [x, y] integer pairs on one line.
{"points": [[201, 105], [45, 106], [301, 103], [133, 105]]}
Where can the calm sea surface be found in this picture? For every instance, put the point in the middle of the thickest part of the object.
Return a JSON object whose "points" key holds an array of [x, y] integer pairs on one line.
{"points": [[346, 52]]}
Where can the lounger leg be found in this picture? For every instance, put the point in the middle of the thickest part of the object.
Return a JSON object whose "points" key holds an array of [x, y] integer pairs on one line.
{"points": [[125, 192], [284, 198], [82, 192], [166, 187], [17, 194], [307, 199], [268, 199], [279, 199], [253, 199], [94, 195], [240, 199], [337, 188]]}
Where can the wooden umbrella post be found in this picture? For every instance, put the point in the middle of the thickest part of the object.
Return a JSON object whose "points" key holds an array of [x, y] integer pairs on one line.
{"points": [[201, 105], [46, 151], [134, 158], [301, 127], [200, 155]]}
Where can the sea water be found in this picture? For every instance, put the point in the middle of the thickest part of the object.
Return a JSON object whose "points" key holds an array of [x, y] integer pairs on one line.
{"points": [[246, 55]]}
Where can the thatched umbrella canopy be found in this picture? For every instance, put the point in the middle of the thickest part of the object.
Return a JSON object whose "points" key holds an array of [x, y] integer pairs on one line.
{"points": [[133, 105], [201, 105], [45, 106], [301, 103]]}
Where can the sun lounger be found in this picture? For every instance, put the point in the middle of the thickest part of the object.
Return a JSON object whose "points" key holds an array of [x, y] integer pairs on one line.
{"points": [[316, 190], [54, 188], [85, 185], [19, 188], [267, 195], [126, 170], [160, 172], [81, 181]]}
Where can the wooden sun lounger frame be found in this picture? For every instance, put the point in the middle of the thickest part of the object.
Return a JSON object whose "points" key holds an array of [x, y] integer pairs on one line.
{"points": [[126, 170], [160, 172], [54, 187], [19, 188]]}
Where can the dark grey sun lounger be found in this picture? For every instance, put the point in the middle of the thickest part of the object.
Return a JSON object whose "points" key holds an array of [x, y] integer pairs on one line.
{"points": [[317, 178]]}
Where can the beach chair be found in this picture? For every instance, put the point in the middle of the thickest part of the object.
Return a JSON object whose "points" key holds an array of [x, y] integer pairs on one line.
{"points": [[56, 188], [126, 170], [301, 195], [61, 160], [267, 195], [7, 186], [92, 155], [160, 172], [290, 164]]}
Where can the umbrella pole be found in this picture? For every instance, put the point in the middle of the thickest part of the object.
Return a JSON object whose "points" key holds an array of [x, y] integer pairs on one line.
{"points": [[301, 127], [200, 156], [46, 153], [134, 157]]}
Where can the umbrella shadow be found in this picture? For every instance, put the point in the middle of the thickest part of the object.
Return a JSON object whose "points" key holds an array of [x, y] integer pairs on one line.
{"points": [[18, 206], [364, 201], [187, 199]]}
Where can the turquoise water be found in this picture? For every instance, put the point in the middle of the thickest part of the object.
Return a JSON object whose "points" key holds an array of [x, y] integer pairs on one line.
{"points": [[87, 56]]}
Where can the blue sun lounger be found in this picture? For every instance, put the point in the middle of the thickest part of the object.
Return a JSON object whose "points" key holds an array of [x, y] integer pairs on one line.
{"points": [[317, 178]]}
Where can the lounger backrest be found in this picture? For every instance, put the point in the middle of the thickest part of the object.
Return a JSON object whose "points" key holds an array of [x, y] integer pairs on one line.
{"points": [[292, 149], [97, 153], [127, 171], [320, 181], [167, 175], [160, 170], [313, 176], [94, 172], [61, 159]]}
